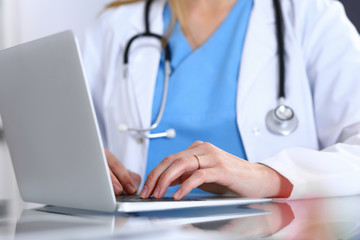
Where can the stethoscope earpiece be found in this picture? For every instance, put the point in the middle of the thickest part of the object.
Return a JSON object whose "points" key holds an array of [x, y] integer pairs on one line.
{"points": [[144, 133], [170, 133], [282, 120]]}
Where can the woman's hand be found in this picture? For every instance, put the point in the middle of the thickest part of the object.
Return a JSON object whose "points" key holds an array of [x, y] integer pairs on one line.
{"points": [[205, 166], [122, 179]]}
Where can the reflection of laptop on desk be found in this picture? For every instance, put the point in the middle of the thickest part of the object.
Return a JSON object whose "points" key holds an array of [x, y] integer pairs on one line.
{"points": [[52, 133]]}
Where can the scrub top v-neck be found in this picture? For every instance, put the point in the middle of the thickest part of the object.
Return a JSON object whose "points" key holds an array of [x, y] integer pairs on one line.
{"points": [[201, 102]]}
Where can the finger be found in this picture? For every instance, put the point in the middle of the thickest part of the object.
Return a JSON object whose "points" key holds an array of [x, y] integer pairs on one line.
{"points": [[125, 180], [181, 179], [135, 177], [195, 144], [116, 184], [120, 173], [173, 172], [198, 178], [153, 178], [154, 175], [190, 150]]}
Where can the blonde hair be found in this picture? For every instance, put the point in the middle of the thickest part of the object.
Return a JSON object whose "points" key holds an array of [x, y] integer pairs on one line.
{"points": [[120, 2], [175, 8]]}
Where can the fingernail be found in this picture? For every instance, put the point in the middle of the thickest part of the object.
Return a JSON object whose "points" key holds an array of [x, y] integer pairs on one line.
{"points": [[177, 195], [144, 191], [130, 188], [117, 189], [157, 192]]}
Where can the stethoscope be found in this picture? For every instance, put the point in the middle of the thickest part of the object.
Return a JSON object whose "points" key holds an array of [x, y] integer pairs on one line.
{"points": [[280, 121]]}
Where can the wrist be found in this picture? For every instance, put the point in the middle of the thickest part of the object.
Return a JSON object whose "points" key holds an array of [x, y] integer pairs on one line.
{"points": [[274, 184]]}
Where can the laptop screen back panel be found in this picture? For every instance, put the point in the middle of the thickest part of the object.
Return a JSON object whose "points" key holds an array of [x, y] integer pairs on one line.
{"points": [[50, 126]]}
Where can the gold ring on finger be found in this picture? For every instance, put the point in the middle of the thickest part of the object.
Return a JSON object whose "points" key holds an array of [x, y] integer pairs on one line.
{"points": [[198, 160]]}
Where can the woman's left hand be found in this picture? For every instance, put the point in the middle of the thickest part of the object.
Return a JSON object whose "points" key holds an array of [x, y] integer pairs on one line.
{"points": [[205, 166]]}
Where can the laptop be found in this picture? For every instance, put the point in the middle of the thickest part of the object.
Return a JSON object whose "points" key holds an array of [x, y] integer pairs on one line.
{"points": [[52, 133]]}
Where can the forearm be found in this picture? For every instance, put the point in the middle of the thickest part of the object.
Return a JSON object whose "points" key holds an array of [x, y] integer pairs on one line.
{"points": [[275, 185]]}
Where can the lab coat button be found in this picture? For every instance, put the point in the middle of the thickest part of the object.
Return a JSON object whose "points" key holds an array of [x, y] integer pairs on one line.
{"points": [[140, 140], [256, 131]]}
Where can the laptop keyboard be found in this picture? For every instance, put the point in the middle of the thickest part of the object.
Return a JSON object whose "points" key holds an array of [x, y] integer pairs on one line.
{"points": [[136, 198]]}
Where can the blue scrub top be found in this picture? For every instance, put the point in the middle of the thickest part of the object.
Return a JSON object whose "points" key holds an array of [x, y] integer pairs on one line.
{"points": [[201, 103]]}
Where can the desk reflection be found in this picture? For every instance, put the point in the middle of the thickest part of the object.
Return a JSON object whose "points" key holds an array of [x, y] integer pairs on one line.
{"points": [[330, 218], [63, 223], [334, 218], [255, 227]]}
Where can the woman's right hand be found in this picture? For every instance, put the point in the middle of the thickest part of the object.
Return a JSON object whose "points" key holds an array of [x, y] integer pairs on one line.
{"points": [[122, 179]]}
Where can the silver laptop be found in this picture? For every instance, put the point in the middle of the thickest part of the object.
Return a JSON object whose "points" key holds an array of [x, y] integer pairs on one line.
{"points": [[52, 132]]}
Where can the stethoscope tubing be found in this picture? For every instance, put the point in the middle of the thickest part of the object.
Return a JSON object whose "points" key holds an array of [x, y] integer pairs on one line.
{"points": [[145, 34], [162, 105], [277, 121], [281, 47]]}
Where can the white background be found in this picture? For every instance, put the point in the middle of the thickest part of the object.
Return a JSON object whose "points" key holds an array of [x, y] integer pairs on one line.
{"points": [[25, 20]]}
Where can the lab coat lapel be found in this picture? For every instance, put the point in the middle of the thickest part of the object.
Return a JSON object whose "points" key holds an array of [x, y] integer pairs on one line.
{"points": [[144, 61], [259, 51], [260, 45]]}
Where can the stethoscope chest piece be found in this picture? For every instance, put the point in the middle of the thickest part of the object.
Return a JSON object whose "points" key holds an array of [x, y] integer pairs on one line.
{"points": [[282, 120]]}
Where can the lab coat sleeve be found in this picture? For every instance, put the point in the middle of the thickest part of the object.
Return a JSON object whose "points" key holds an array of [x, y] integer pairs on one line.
{"points": [[332, 53]]}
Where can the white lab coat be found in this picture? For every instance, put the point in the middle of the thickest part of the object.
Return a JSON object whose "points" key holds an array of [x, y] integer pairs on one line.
{"points": [[321, 158]]}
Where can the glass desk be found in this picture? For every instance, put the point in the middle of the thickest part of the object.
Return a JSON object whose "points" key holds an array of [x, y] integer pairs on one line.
{"points": [[331, 218]]}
